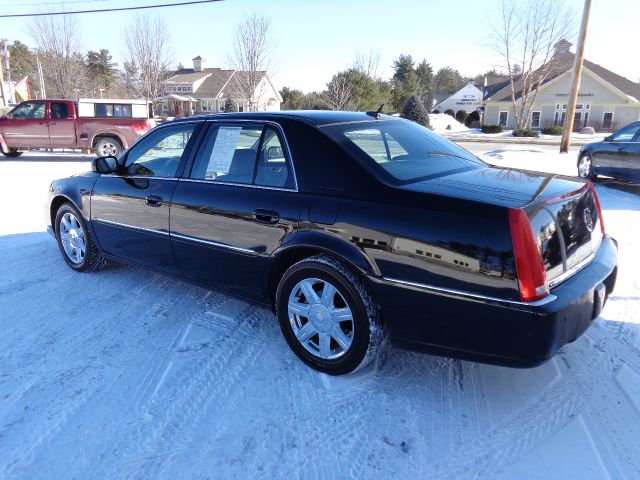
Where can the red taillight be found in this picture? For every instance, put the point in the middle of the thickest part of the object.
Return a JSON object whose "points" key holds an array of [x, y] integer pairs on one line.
{"points": [[532, 277], [595, 197], [140, 128]]}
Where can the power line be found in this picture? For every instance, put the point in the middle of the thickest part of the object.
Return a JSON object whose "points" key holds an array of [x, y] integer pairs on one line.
{"points": [[59, 2], [102, 10]]}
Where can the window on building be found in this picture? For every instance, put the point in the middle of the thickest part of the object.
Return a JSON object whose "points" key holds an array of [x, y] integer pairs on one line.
{"points": [[504, 118], [579, 106], [563, 117], [588, 106], [535, 119], [607, 120], [577, 119], [585, 122]]}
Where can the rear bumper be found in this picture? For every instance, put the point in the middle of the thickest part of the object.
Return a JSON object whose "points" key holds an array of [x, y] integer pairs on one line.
{"points": [[489, 330]]}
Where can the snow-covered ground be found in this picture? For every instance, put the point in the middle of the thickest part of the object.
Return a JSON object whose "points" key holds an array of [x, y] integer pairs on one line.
{"points": [[130, 374]]}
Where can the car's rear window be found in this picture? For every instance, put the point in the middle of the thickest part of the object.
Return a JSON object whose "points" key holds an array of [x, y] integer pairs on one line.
{"points": [[401, 151]]}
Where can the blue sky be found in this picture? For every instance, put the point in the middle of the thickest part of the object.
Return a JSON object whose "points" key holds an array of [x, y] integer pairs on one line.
{"points": [[317, 38]]}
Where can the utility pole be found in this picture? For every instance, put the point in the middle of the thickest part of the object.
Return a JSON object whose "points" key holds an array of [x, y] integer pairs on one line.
{"points": [[575, 81], [43, 92]]}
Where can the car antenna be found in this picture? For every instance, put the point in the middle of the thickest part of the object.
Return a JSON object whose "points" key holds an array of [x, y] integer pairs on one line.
{"points": [[376, 114]]}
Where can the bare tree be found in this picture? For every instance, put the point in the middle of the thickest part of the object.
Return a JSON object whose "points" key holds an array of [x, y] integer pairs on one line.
{"points": [[367, 62], [147, 42], [57, 40], [252, 55], [526, 40], [339, 94]]}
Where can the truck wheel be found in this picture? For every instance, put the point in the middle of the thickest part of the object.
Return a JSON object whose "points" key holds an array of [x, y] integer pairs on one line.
{"points": [[328, 316], [12, 153], [107, 146]]}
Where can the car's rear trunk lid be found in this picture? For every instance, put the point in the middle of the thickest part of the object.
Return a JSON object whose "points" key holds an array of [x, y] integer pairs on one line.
{"points": [[568, 230]]}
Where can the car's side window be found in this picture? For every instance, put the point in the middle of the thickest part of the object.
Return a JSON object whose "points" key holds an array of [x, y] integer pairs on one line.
{"points": [[59, 110], [29, 110], [626, 134], [228, 154], [273, 169], [159, 154]]}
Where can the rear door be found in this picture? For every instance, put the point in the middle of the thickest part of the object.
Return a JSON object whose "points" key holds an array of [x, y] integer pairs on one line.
{"points": [[27, 126], [630, 160], [237, 205], [130, 211], [61, 123]]}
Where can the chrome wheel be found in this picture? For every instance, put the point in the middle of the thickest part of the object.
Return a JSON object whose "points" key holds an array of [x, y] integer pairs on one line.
{"points": [[320, 318], [72, 238], [584, 166]]}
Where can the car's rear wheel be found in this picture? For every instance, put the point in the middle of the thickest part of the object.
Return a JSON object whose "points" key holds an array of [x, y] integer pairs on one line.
{"points": [[75, 242], [585, 166], [12, 153], [106, 146], [328, 316]]}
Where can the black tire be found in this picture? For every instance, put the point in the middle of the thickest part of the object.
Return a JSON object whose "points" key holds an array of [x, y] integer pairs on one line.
{"points": [[12, 153], [92, 260], [586, 173], [107, 146], [368, 337]]}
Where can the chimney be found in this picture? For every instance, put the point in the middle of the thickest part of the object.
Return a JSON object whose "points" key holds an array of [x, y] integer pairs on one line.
{"points": [[198, 63], [562, 46]]}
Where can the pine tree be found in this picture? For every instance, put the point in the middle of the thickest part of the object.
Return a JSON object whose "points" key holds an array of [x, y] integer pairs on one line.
{"points": [[414, 110]]}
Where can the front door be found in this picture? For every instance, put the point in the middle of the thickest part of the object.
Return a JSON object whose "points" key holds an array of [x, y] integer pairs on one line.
{"points": [[239, 204], [27, 127], [62, 129], [130, 211]]}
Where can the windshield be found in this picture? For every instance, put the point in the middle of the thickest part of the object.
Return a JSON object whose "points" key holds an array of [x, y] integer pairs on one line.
{"points": [[401, 151]]}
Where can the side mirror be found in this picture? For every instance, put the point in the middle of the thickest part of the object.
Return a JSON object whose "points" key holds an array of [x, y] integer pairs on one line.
{"points": [[608, 139], [108, 164], [274, 153]]}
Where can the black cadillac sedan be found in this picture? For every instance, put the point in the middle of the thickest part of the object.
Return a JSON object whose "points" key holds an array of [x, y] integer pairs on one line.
{"points": [[617, 156], [355, 228]]}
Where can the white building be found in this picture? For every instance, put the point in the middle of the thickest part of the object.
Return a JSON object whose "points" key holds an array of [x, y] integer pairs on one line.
{"points": [[206, 90], [606, 100], [468, 98]]}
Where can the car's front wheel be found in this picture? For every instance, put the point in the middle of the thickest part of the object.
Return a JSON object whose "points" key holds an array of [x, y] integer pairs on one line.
{"points": [[75, 242], [585, 166], [328, 316]]}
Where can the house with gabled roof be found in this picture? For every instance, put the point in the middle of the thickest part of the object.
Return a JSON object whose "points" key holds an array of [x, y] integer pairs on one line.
{"points": [[197, 90], [606, 100]]}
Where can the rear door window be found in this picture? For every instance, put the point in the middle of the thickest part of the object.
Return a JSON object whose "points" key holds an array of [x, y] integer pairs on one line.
{"points": [[244, 154]]}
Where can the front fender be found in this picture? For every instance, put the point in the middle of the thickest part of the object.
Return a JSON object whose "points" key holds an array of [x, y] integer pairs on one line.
{"points": [[75, 190]]}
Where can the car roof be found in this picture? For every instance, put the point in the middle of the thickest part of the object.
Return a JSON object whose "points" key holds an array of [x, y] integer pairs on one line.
{"points": [[313, 117]]}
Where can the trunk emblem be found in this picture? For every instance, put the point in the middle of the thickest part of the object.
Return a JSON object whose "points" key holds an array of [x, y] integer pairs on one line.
{"points": [[588, 219]]}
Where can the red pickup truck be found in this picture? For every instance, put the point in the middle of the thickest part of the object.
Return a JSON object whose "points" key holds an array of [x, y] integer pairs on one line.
{"points": [[106, 126]]}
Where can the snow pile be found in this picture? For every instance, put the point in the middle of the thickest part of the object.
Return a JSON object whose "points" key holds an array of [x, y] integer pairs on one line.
{"points": [[533, 159], [441, 122]]}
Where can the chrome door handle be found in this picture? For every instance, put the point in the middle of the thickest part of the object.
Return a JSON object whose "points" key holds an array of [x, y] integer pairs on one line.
{"points": [[154, 200], [265, 216]]}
